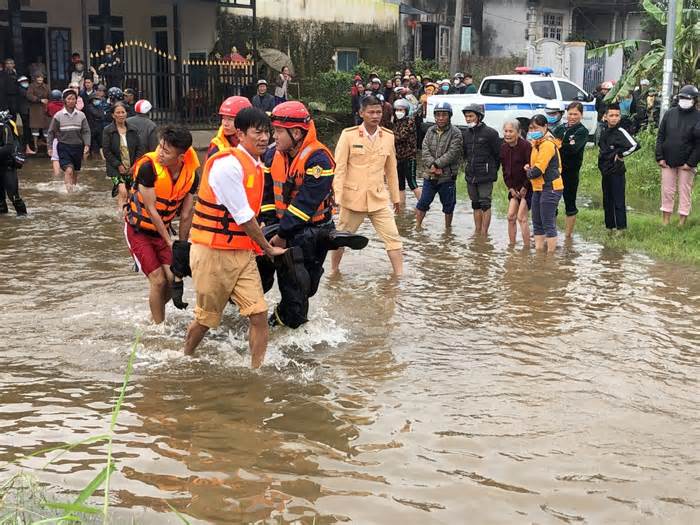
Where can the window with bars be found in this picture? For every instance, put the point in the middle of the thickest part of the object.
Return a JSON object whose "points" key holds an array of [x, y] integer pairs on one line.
{"points": [[553, 25]]}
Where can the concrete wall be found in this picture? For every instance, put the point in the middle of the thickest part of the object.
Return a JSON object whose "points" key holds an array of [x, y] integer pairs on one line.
{"points": [[198, 19], [504, 28], [381, 13]]}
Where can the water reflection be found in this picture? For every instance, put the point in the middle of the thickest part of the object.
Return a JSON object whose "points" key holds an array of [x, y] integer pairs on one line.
{"points": [[491, 381]]}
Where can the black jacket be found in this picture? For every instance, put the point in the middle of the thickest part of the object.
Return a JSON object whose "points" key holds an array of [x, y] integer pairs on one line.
{"points": [[600, 106], [482, 151], [678, 141], [111, 148], [9, 91], [615, 144]]}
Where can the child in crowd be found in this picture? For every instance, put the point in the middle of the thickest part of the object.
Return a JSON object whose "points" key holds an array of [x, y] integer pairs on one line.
{"points": [[615, 144]]}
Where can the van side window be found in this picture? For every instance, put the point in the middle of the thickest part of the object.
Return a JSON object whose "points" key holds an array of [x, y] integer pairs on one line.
{"points": [[570, 92], [544, 89]]}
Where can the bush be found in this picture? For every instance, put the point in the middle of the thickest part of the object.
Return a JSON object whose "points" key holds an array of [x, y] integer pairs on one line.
{"points": [[330, 90]]}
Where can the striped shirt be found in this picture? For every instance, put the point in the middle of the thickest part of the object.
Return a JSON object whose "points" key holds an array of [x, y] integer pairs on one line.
{"points": [[69, 128]]}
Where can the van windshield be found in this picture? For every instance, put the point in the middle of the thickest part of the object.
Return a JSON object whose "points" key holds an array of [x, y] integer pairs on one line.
{"points": [[497, 87]]}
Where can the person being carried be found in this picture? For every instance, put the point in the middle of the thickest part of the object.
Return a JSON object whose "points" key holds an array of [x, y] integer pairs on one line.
{"points": [[70, 128], [442, 152], [482, 149], [615, 144], [226, 237], [365, 167], [515, 154], [227, 137], [298, 200], [165, 182]]}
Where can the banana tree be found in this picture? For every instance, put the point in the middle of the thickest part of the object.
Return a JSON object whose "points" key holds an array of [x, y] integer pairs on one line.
{"points": [[686, 52]]}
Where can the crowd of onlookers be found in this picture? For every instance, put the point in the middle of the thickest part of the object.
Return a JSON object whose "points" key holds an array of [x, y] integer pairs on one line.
{"points": [[540, 165]]}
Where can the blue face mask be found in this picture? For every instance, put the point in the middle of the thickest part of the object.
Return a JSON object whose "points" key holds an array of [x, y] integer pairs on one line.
{"points": [[535, 135], [552, 119], [445, 88]]}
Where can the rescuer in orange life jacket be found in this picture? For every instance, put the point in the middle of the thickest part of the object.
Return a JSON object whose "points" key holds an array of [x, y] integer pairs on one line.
{"points": [[226, 136], [165, 181], [297, 211], [226, 236]]}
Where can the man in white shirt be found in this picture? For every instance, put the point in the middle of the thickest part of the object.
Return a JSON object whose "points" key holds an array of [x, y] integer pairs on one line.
{"points": [[226, 236]]}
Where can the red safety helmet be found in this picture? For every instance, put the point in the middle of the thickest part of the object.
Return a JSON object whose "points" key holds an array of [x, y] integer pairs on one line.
{"points": [[291, 115], [232, 105]]}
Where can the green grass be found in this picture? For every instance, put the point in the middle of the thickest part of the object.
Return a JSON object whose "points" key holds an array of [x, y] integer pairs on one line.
{"points": [[645, 233]]}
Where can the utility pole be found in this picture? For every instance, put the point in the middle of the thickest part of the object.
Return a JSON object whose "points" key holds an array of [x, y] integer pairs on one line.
{"points": [[457, 37], [667, 88]]}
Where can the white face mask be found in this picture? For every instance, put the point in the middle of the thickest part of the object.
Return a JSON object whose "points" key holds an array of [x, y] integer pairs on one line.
{"points": [[685, 103], [25, 85], [400, 114], [471, 124]]}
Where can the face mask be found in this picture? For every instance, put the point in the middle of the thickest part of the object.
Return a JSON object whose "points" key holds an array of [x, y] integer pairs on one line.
{"points": [[552, 119], [685, 103], [25, 85], [471, 124], [445, 88], [535, 135], [96, 102], [400, 114]]}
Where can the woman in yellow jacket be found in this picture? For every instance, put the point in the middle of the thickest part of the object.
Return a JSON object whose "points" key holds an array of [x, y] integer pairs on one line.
{"points": [[544, 172]]}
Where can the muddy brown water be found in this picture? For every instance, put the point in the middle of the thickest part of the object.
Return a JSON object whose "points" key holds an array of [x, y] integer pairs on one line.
{"points": [[490, 385]]}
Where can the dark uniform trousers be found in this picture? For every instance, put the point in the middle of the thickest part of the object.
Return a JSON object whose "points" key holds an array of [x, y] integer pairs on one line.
{"points": [[298, 273]]}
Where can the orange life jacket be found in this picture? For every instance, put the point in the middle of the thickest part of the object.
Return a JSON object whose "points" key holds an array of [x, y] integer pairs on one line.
{"points": [[223, 142], [292, 175], [212, 224], [169, 193]]}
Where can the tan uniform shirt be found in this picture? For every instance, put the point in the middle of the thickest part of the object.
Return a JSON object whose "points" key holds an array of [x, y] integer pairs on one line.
{"points": [[364, 169]]}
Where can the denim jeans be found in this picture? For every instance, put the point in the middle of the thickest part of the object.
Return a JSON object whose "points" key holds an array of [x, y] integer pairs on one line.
{"points": [[446, 190], [544, 212]]}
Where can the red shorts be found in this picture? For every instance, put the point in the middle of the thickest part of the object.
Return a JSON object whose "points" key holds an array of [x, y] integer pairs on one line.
{"points": [[149, 252]]}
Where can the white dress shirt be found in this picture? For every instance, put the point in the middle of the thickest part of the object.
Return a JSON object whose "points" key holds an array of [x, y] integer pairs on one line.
{"points": [[226, 181]]}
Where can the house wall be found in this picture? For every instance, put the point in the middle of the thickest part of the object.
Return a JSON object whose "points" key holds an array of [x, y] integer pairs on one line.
{"points": [[380, 13], [504, 28]]}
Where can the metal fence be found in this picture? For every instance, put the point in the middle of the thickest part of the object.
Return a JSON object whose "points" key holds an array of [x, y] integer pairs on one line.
{"points": [[593, 71], [186, 91]]}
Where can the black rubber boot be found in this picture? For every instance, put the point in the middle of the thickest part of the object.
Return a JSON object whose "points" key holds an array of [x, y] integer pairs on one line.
{"points": [[19, 205]]}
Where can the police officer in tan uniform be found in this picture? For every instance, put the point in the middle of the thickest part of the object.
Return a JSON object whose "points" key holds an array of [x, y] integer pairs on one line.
{"points": [[365, 167]]}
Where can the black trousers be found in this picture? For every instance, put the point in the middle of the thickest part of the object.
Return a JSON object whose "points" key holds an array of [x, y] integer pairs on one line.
{"points": [[614, 200], [27, 138], [297, 279], [9, 184]]}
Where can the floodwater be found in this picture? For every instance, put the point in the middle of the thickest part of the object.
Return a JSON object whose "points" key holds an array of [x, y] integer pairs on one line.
{"points": [[490, 385]]}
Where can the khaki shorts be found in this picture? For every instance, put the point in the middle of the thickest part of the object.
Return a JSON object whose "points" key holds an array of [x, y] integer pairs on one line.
{"points": [[218, 275], [382, 220]]}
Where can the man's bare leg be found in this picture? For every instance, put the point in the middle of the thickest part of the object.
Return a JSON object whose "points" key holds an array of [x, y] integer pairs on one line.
{"points": [[396, 258], [336, 256], [195, 334], [448, 221], [158, 294], [420, 215], [257, 338], [478, 216], [485, 222], [68, 179]]}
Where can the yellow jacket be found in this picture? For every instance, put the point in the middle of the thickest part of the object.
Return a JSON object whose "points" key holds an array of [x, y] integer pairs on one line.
{"points": [[365, 169], [545, 165]]}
